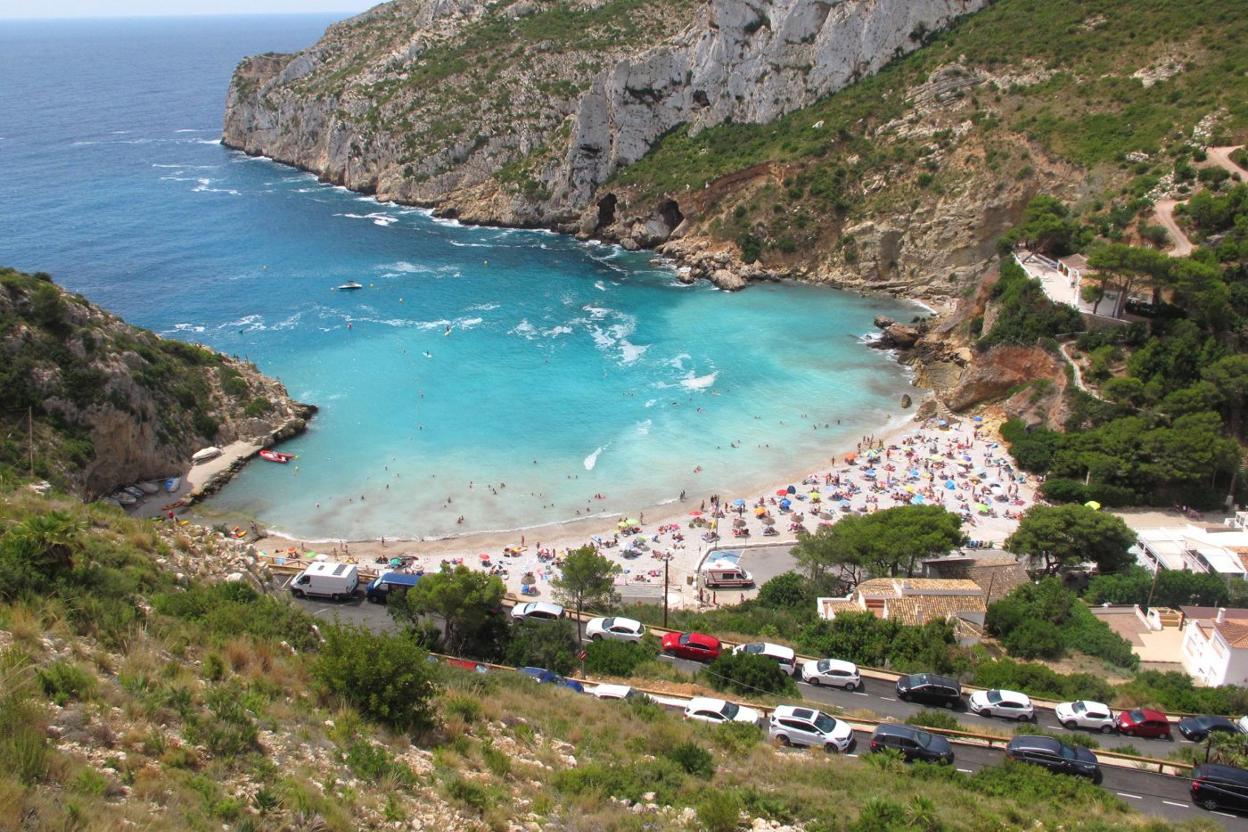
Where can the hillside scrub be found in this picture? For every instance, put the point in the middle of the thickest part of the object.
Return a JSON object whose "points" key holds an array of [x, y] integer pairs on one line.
{"points": [[1044, 620]]}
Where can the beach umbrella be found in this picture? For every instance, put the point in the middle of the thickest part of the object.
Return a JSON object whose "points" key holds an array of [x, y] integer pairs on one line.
{"points": [[950, 484], [738, 523], [739, 503], [792, 489], [632, 521], [918, 500], [982, 508], [780, 492], [769, 520], [759, 511], [484, 557], [910, 488], [1093, 504], [785, 504], [977, 418], [695, 514], [816, 497]]}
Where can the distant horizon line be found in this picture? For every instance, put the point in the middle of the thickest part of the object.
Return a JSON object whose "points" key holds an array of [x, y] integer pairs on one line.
{"points": [[174, 16]]}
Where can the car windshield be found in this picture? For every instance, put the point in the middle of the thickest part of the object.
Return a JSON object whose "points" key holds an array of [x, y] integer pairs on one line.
{"points": [[684, 638], [1066, 751], [753, 648], [994, 696], [1079, 707], [608, 623], [730, 709], [923, 738], [823, 665], [1137, 716], [825, 723]]}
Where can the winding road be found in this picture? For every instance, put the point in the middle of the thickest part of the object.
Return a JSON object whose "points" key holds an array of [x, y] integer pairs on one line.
{"points": [[1158, 795]]}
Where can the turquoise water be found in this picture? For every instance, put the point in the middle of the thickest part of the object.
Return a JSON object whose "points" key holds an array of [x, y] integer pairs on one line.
{"points": [[484, 356]]}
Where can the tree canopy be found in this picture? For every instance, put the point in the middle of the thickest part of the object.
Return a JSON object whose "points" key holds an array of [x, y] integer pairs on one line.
{"points": [[886, 543], [586, 579], [468, 603], [1071, 534]]}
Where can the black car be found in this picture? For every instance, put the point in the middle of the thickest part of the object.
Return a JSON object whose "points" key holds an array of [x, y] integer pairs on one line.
{"points": [[930, 689], [1220, 787], [1054, 755], [913, 743], [1198, 728]]}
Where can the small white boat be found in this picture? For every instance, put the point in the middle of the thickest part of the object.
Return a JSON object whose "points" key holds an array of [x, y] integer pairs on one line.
{"points": [[205, 454], [173, 484], [351, 284]]}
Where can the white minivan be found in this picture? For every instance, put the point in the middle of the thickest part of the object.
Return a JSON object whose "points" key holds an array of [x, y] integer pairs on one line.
{"points": [[326, 579]]}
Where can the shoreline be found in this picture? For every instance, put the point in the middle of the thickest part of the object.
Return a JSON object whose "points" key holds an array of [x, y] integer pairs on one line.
{"points": [[671, 535]]}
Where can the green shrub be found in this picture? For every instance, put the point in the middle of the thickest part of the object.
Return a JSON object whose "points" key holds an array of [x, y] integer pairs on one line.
{"points": [[720, 811], [257, 407], [748, 674], [934, 719], [467, 708], [1040, 681], [63, 680], [631, 781], [471, 794], [1034, 640], [227, 730], [496, 761], [374, 763], [693, 758], [548, 644], [788, 590], [386, 676], [615, 658], [230, 609]]}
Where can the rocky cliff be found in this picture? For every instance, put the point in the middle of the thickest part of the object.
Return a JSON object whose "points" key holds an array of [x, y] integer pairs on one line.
{"points": [[517, 112], [874, 144], [111, 404]]}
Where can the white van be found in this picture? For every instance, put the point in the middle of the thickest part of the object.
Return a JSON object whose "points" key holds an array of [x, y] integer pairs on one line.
{"points": [[326, 579]]}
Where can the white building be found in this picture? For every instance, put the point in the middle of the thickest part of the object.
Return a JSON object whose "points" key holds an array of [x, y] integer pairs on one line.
{"points": [[1215, 648], [1221, 550]]}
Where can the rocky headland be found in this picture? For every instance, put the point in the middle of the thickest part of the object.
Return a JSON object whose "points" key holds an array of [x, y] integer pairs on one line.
{"points": [[109, 404]]}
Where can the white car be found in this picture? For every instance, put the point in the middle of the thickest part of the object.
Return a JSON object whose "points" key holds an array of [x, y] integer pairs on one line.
{"points": [[833, 672], [618, 692], [781, 655], [1004, 703], [795, 725], [537, 609], [1095, 716], [615, 629], [704, 709]]}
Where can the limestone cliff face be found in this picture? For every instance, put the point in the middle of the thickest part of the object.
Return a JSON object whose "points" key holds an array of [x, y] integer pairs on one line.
{"points": [[517, 112], [743, 61], [113, 404]]}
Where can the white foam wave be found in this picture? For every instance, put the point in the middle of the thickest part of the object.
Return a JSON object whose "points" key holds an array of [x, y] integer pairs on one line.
{"points": [[247, 323], [482, 307], [187, 328], [643, 427], [524, 329], [629, 353], [600, 286], [651, 402], [205, 186], [206, 141], [693, 382], [592, 459], [458, 244], [556, 331], [378, 218]]}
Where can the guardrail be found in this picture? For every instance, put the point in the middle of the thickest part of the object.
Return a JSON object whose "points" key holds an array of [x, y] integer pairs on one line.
{"points": [[864, 725]]}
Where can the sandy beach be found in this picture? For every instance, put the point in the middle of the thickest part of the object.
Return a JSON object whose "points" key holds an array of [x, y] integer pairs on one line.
{"points": [[961, 465]]}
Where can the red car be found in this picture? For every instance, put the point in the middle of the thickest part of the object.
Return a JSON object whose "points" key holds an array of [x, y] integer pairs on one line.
{"points": [[697, 646], [1144, 722]]}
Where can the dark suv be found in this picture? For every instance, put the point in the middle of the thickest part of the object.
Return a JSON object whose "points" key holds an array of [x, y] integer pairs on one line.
{"points": [[1198, 728], [930, 689], [1054, 755], [1220, 787], [913, 743]]}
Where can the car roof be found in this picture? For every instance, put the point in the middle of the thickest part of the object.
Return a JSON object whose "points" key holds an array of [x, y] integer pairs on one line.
{"points": [[1149, 713], [1036, 741], [768, 648], [1011, 695], [540, 606], [1206, 719], [896, 729], [706, 702], [703, 638], [1218, 770], [796, 711], [612, 690], [1088, 703], [628, 622], [933, 679], [836, 664], [400, 578]]}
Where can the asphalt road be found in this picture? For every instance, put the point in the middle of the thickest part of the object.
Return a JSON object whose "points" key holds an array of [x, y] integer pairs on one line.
{"points": [[1153, 794]]}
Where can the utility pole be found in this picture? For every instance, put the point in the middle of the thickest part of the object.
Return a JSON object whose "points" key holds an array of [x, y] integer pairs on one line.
{"points": [[1148, 605], [30, 426], [666, 562]]}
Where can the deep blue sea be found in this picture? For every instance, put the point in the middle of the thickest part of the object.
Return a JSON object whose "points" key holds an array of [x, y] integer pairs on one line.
{"points": [[473, 357]]}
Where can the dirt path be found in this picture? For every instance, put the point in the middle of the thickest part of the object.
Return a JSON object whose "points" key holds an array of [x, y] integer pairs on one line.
{"points": [[1163, 213], [1222, 156]]}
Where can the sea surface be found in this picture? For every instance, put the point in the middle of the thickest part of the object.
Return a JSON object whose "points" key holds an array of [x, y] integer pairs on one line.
{"points": [[517, 373]]}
